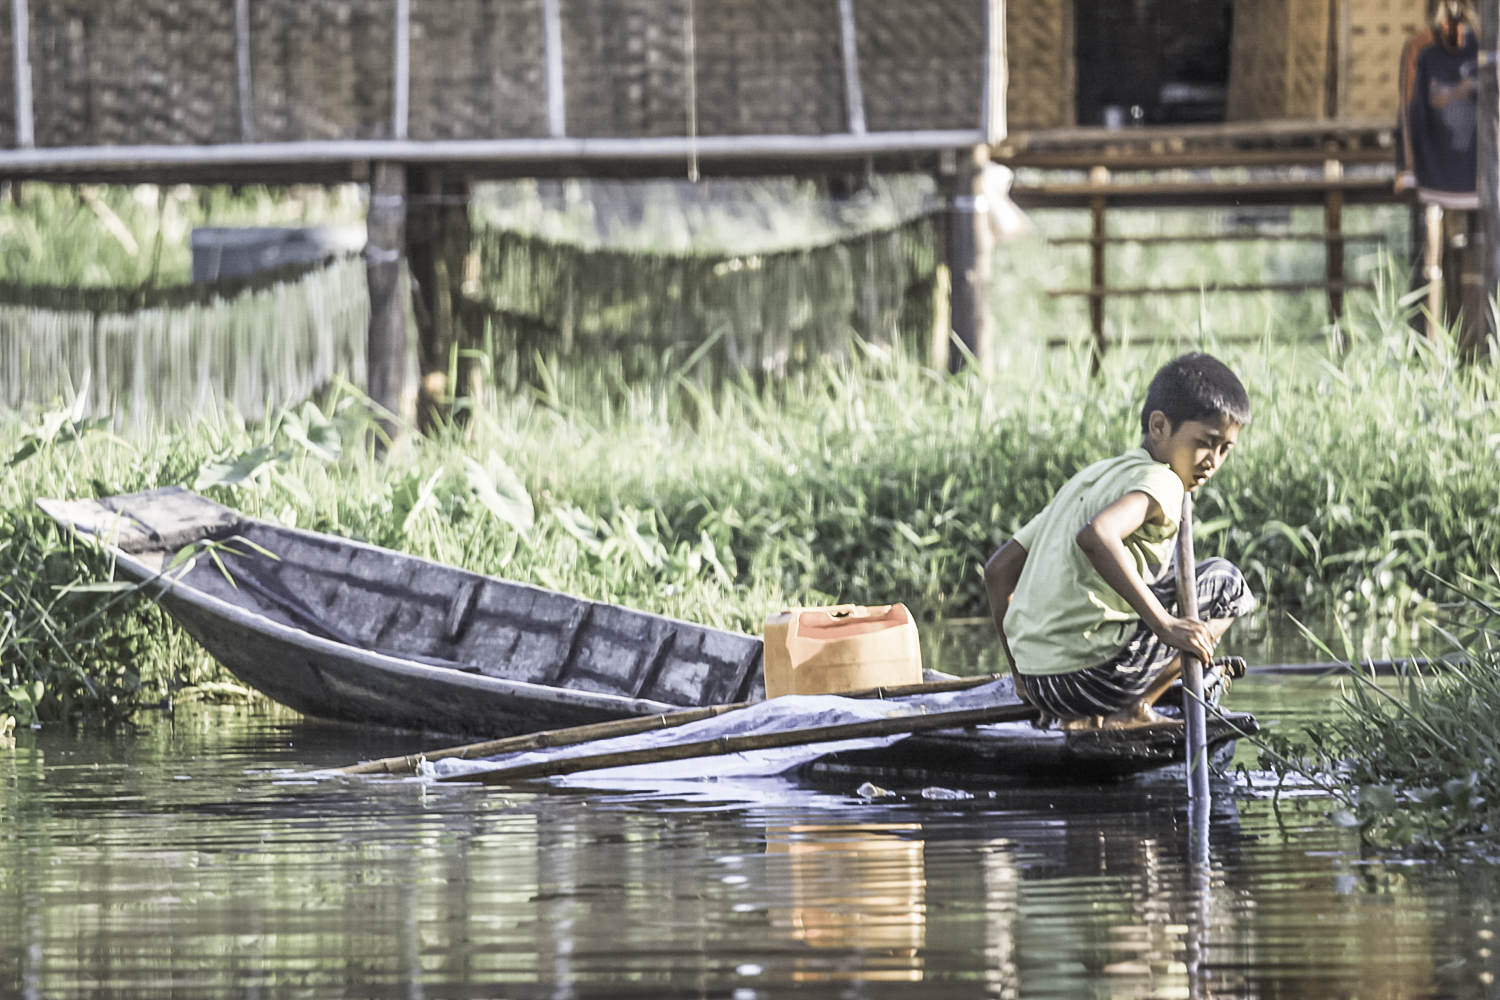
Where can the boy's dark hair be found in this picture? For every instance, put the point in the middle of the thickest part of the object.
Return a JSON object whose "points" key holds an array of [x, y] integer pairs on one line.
{"points": [[1193, 387]]}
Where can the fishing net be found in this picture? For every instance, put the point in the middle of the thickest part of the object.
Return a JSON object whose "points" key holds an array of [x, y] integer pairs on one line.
{"points": [[767, 313], [141, 355]]}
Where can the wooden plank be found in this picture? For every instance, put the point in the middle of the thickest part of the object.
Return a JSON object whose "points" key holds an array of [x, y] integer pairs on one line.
{"points": [[1206, 194], [1274, 286], [1221, 238], [21, 38]]}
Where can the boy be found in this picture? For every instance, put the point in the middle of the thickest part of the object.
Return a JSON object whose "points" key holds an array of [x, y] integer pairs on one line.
{"points": [[1084, 596]]}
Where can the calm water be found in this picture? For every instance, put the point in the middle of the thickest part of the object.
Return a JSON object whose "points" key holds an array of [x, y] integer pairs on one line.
{"points": [[189, 859]]}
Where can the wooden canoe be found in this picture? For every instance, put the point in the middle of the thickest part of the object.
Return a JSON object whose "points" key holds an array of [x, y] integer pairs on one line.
{"points": [[344, 630]]}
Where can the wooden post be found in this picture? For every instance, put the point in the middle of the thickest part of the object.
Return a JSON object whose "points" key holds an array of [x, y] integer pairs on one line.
{"points": [[438, 239], [1487, 233], [969, 258], [389, 342], [1097, 282], [1333, 233], [1433, 268]]}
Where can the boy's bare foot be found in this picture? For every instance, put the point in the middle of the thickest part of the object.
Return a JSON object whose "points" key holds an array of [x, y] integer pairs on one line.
{"points": [[1137, 716]]}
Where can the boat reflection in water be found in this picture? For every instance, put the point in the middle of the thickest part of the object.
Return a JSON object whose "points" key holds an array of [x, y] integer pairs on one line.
{"points": [[860, 889]]}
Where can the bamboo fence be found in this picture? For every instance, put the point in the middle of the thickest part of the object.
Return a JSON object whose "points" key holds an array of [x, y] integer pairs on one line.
{"points": [[176, 353]]}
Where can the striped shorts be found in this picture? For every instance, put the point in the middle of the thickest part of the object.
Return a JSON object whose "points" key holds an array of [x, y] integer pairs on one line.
{"points": [[1119, 683]]}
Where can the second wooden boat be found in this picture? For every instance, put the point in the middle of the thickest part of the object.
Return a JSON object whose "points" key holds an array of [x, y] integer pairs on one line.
{"points": [[340, 629]]}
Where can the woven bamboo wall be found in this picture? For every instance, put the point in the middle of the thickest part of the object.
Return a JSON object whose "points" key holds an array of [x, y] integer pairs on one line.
{"points": [[164, 71], [1279, 60], [921, 66], [774, 66], [625, 62], [133, 71], [322, 69], [1379, 28], [477, 70], [1039, 48]]}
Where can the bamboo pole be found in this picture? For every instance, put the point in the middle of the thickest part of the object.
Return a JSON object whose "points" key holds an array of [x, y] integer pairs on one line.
{"points": [[1192, 668], [763, 741], [625, 727]]}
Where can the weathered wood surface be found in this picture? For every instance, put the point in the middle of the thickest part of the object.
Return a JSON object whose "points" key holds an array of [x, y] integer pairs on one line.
{"points": [[341, 629]]}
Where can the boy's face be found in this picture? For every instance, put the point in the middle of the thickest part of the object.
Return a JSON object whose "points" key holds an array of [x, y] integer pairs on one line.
{"points": [[1194, 449]]}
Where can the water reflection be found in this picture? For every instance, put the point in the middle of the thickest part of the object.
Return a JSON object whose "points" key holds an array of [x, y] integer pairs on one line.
{"points": [[857, 887], [189, 859]]}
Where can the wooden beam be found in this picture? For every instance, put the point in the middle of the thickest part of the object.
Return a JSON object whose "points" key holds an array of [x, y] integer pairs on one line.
{"points": [[1106, 292], [242, 69], [854, 92], [20, 30], [557, 99], [810, 148], [401, 77], [389, 343]]}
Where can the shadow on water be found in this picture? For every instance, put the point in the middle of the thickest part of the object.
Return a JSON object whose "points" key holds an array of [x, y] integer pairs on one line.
{"points": [[194, 858]]}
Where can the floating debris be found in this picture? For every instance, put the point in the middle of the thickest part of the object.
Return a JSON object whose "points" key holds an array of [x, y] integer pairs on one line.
{"points": [[945, 794], [870, 790]]}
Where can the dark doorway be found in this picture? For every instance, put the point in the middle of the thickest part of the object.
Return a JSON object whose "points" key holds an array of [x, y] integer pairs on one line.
{"points": [[1151, 62]]}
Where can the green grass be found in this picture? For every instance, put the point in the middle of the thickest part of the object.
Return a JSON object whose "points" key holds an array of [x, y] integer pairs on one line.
{"points": [[872, 481]]}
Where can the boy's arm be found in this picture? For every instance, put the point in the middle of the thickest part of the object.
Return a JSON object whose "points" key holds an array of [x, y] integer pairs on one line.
{"points": [[1001, 574], [1103, 542]]}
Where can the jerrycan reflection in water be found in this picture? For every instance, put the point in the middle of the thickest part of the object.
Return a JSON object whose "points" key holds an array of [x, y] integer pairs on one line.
{"points": [[860, 889], [844, 648]]}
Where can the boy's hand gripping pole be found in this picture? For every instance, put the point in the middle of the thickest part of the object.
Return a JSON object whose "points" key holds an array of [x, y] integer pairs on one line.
{"points": [[1192, 669]]}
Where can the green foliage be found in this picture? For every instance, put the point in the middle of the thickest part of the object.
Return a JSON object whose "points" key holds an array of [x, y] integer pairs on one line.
{"points": [[1410, 761], [871, 481]]}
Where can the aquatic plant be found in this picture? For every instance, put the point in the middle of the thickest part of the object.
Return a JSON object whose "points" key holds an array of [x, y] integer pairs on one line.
{"points": [[1410, 761]]}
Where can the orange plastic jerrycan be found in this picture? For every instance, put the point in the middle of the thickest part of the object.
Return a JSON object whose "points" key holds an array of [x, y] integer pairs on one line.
{"points": [[839, 649]]}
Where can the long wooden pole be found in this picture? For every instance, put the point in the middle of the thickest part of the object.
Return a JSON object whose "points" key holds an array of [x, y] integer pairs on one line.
{"points": [[1192, 669], [763, 741], [625, 727]]}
